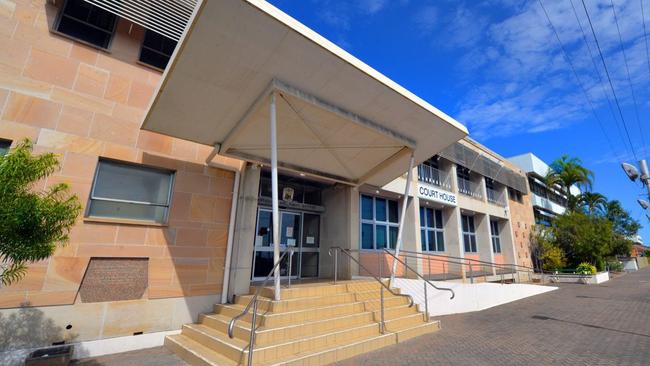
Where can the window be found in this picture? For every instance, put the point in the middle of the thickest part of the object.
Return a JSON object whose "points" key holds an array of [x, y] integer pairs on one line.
{"points": [[515, 195], [4, 146], [86, 22], [379, 222], [431, 230], [464, 183], [469, 234], [156, 49], [130, 192], [494, 232]]}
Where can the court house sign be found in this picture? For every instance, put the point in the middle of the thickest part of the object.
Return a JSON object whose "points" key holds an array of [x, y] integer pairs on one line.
{"points": [[432, 193]]}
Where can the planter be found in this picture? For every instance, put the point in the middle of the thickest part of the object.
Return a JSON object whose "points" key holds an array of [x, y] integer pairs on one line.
{"points": [[51, 356]]}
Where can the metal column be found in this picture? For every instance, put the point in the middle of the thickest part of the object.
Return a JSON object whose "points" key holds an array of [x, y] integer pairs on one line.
{"points": [[400, 230], [274, 197]]}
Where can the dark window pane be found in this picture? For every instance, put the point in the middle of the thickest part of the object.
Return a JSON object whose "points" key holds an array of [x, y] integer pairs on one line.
{"points": [[154, 59], [156, 50], [423, 223], [87, 23], [392, 211], [392, 233], [430, 219], [439, 219], [423, 240], [470, 222], [264, 229], [366, 236], [432, 240], [381, 238], [473, 240], [380, 209], [464, 220], [440, 241], [466, 243], [366, 208]]}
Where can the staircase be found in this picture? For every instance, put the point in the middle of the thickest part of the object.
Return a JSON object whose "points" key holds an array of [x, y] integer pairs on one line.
{"points": [[313, 324]]}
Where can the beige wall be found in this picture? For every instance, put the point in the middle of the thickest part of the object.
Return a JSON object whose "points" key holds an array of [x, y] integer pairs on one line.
{"points": [[83, 104]]}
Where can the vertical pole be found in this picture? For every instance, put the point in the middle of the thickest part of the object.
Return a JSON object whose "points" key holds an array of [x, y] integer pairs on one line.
{"points": [[400, 230], [274, 197], [336, 264], [251, 341], [290, 263], [381, 297], [426, 303]]}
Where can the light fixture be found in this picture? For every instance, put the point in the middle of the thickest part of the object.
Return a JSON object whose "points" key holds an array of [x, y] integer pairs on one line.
{"points": [[631, 171], [643, 203], [302, 174], [376, 191]]}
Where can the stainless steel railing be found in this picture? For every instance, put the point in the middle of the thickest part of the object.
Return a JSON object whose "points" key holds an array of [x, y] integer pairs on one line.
{"points": [[475, 268], [348, 253], [435, 176], [253, 303], [426, 282]]}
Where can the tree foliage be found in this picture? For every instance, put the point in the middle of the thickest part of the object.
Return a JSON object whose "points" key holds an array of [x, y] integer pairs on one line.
{"points": [[547, 252], [584, 238], [32, 222], [623, 223], [592, 203], [566, 172]]}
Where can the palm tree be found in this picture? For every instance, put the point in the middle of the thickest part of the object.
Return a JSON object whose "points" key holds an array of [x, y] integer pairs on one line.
{"points": [[566, 172], [593, 202]]}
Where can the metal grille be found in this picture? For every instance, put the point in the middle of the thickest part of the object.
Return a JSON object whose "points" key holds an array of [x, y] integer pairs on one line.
{"points": [[168, 17], [462, 155]]}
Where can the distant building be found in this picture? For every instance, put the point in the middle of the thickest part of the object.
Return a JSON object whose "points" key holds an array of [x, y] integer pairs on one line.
{"points": [[547, 202]]}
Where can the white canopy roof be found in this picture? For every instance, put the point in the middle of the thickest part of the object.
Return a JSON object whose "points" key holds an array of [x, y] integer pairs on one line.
{"points": [[337, 117]]}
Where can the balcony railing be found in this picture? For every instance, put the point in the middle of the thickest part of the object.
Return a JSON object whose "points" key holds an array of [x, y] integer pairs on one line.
{"points": [[469, 188], [435, 176], [496, 197]]}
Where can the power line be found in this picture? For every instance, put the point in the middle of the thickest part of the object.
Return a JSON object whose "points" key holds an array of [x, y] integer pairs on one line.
{"points": [[600, 79], [629, 79], [611, 85], [575, 73], [645, 36]]}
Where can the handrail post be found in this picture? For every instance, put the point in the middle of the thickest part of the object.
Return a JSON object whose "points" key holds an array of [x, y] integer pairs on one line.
{"points": [[336, 264], [426, 303], [252, 336], [471, 273], [382, 325], [290, 263]]}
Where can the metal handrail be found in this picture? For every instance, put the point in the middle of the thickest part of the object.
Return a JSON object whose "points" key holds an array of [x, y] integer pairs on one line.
{"points": [[382, 325], [253, 303], [453, 294], [468, 262]]}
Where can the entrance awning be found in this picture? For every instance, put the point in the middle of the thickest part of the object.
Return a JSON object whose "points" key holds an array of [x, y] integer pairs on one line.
{"points": [[337, 117]]}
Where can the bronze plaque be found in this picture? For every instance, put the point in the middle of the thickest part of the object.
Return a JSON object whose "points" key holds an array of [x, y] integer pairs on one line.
{"points": [[114, 279]]}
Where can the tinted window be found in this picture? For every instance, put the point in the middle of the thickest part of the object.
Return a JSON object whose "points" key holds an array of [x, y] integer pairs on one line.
{"points": [[87, 23]]}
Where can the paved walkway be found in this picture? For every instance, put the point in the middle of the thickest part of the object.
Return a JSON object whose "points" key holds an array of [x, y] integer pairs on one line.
{"points": [[606, 324]]}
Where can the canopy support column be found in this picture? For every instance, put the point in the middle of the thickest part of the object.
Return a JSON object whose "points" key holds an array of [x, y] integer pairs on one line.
{"points": [[274, 198], [400, 230]]}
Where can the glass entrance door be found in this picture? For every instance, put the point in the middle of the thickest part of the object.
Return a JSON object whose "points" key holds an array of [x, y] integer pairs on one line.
{"points": [[305, 242]]}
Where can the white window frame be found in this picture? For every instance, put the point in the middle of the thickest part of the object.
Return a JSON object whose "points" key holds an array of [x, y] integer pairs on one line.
{"points": [[496, 238], [469, 234], [374, 222], [93, 197], [428, 227]]}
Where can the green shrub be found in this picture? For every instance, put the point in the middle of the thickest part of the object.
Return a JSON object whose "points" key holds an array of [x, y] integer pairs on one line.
{"points": [[585, 268], [615, 266]]}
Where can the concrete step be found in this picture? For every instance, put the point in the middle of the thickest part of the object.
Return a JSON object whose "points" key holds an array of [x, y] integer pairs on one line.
{"points": [[265, 336], [195, 353]]}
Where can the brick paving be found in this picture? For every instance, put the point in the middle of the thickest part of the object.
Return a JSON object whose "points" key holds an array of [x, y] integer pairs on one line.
{"points": [[607, 324]]}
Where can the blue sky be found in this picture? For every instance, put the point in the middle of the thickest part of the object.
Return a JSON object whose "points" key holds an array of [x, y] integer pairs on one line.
{"points": [[497, 67]]}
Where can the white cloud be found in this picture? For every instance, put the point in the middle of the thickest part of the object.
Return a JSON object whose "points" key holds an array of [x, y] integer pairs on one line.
{"points": [[521, 80]]}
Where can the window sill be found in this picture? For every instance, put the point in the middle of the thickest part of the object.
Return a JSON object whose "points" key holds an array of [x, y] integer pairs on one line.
{"points": [[106, 220]]}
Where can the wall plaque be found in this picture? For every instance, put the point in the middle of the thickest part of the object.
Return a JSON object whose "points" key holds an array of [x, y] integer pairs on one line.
{"points": [[114, 279]]}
